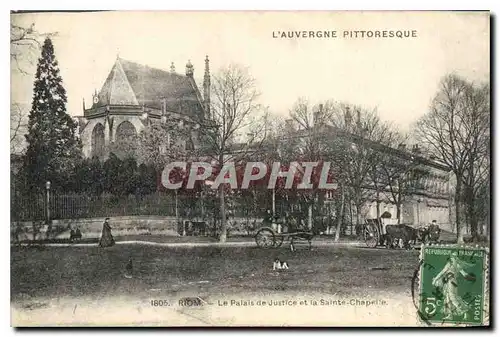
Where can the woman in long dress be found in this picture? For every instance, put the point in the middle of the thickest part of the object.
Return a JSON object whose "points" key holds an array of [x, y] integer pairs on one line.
{"points": [[106, 237], [447, 279]]}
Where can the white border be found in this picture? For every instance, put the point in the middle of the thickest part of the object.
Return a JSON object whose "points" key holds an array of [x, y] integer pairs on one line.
{"points": [[258, 5]]}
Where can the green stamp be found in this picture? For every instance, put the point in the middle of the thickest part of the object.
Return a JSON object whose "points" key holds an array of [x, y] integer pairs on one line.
{"points": [[452, 284]]}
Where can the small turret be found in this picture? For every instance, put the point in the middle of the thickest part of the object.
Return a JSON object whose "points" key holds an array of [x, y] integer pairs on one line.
{"points": [[206, 86], [95, 97], [348, 116], [318, 115], [189, 69], [416, 149]]}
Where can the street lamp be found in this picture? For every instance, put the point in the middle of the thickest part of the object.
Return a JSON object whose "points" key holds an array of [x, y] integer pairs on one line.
{"points": [[47, 202]]}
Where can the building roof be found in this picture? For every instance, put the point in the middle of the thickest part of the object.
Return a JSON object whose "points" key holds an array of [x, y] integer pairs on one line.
{"points": [[130, 83], [404, 153], [328, 131]]}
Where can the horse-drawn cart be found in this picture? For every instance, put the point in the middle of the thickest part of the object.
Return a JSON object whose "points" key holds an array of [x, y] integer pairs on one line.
{"points": [[267, 237], [397, 235], [372, 233]]}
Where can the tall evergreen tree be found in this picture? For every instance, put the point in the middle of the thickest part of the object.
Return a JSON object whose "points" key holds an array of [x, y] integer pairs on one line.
{"points": [[53, 148]]}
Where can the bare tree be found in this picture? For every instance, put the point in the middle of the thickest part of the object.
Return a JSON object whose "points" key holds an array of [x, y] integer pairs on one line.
{"points": [[235, 129], [477, 170], [452, 130], [18, 125], [163, 142], [338, 152], [384, 169], [25, 43], [350, 138], [307, 141], [401, 174], [363, 132], [313, 122]]}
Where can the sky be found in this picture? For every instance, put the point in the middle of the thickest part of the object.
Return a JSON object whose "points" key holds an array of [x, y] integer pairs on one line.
{"points": [[399, 77]]}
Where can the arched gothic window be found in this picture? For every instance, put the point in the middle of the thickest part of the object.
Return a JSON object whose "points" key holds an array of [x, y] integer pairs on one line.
{"points": [[97, 141], [125, 140]]}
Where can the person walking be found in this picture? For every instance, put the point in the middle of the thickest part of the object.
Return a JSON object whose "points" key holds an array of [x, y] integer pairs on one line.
{"points": [[106, 236], [268, 218]]}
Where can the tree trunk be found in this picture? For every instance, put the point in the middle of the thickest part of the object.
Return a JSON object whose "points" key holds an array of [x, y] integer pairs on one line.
{"points": [[274, 202], [310, 216], [254, 194], [474, 226], [458, 194], [486, 218], [378, 204], [340, 215], [202, 198], [158, 173], [473, 221], [472, 211], [223, 224], [358, 218], [351, 220], [398, 212], [467, 219]]}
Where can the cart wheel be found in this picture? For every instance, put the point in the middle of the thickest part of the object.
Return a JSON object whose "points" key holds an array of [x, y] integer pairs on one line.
{"points": [[371, 236], [278, 240], [265, 238]]}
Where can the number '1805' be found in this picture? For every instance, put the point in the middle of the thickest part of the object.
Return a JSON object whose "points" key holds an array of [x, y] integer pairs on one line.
{"points": [[159, 303]]}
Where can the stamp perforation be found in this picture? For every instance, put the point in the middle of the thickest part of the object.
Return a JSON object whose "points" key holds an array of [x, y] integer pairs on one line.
{"points": [[484, 290]]}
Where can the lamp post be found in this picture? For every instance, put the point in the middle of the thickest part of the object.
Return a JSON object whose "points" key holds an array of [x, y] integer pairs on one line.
{"points": [[47, 206]]}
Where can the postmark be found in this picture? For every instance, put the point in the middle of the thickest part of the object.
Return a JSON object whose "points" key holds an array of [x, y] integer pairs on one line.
{"points": [[453, 285]]}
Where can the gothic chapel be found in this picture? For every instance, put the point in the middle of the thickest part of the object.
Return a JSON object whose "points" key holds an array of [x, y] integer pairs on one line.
{"points": [[132, 97]]}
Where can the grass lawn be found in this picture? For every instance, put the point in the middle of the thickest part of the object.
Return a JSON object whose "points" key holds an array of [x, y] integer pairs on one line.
{"points": [[56, 272]]}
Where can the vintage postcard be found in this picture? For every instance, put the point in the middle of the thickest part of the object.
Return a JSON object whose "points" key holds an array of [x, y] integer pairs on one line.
{"points": [[252, 168]]}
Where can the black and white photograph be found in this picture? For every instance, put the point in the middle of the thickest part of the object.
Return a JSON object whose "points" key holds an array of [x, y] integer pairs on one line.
{"points": [[250, 169]]}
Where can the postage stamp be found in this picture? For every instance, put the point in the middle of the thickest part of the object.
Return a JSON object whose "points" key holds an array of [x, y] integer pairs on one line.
{"points": [[453, 285]]}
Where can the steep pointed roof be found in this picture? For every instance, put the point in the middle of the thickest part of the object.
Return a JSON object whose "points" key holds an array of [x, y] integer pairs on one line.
{"points": [[117, 89], [130, 83]]}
